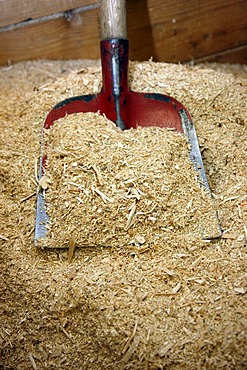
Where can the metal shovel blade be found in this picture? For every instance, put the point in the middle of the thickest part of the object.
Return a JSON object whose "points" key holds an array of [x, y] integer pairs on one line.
{"points": [[127, 109]]}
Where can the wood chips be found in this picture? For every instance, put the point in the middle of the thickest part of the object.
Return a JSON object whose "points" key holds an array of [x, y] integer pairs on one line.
{"points": [[121, 189], [145, 291]]}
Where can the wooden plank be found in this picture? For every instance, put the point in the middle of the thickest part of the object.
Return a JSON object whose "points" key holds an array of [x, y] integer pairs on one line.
{"points": [[234, 56], [62, 38], [15, 11], [186, 30], [169, 31]]}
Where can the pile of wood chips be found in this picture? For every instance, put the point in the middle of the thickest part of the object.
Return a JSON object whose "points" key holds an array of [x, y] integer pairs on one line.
{"points": [[144, 291], [133, 188]]}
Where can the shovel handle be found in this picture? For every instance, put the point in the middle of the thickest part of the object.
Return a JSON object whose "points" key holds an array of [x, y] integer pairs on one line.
{"points": [[113, 19]]}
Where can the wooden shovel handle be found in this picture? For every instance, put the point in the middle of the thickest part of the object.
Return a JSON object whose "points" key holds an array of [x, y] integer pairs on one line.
{"points": [[113, 19]]}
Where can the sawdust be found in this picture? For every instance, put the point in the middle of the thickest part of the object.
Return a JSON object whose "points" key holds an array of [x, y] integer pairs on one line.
{"points": [[121, 188], [181, 305]]}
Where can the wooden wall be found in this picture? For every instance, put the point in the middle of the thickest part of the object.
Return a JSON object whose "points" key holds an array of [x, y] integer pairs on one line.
{"points": [[167, 30]]}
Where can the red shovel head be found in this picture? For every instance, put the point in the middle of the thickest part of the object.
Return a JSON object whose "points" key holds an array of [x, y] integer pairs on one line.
{"points": [[121, 105], [127, 109]]}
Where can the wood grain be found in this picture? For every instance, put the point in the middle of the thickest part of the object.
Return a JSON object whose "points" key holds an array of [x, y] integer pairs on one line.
{"points": [[54, 39], [186, 30], [113, 19], [14, 11], [233, 56], [169, 31]]}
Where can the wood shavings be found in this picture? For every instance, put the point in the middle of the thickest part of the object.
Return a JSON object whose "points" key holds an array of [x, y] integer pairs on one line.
{"points": [[44, 182], [130, 216], [71, 249], [104, 197], [28, 197], [240, 290], [125, 187], [183, 299], [32, 361]]}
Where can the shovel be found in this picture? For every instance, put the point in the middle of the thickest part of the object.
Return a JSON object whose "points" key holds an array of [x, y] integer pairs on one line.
{"points": [[126, 108]]}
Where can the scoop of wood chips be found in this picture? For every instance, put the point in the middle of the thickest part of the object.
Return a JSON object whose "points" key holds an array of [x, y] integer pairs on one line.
{"points": [[157, 305], [121, 188]]}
